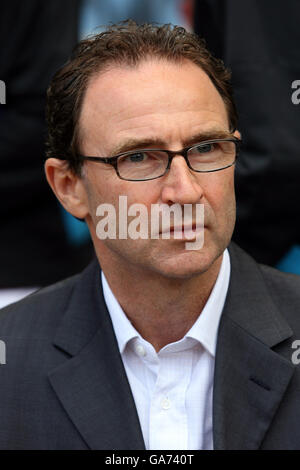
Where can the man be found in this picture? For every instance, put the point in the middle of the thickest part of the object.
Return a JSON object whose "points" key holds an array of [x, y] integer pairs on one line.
{"points": [[163, 347]]}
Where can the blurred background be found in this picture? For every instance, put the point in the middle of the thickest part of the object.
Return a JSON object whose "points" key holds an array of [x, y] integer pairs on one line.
{"points": [[259, 41]]}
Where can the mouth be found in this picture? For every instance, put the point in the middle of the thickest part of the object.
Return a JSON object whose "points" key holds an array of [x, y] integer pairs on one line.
{"points": [[187, 231]]}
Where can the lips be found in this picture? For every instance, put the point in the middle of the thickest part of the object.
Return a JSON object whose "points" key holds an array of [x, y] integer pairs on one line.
{"points": [[188, 231]]}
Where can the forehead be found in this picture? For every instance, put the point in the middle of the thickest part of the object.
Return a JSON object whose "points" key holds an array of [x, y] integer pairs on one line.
{"points": [[155, 97]]}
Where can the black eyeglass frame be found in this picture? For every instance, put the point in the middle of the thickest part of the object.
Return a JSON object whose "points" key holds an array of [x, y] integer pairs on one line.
{"points": [[171, 154]]}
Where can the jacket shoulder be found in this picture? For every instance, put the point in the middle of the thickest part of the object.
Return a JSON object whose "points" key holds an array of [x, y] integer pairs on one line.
{"points": [[283, 288], [285, 291], [38, 313], [282, 282]]}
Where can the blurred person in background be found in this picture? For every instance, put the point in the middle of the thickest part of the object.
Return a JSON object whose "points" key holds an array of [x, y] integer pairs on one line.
{"points": [[95, 14], [36, 38], [259, 42]]}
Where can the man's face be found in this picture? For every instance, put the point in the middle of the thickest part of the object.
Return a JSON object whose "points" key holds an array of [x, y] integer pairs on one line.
{"points": [[160, 105]]}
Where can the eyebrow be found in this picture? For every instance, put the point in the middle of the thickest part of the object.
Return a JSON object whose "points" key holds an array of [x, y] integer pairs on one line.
{"points": [[144, 143]]}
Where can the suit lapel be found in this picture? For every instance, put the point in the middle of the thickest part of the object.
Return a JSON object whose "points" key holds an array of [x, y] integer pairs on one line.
{"points": [[92, 385], [250, 379]]}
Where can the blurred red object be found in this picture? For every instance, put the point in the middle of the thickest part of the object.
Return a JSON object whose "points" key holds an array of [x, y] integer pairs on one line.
{"points": [[187, 11]]}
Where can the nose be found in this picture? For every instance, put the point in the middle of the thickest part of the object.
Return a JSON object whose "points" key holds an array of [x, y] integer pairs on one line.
{"points": [[181, 185]]}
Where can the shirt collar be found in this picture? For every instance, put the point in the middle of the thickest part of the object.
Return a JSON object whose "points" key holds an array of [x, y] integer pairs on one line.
{"points": [[204, 330], [124, 330]]}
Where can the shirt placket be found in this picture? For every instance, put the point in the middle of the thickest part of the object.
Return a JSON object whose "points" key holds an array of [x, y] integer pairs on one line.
{"points": [[168, 426]]}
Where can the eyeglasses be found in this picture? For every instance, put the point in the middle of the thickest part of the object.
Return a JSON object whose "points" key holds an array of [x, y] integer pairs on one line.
{"points": [[149, 164]]}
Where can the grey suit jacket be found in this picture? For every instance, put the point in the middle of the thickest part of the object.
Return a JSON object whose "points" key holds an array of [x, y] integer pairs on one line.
{"points": [[64, 385]]}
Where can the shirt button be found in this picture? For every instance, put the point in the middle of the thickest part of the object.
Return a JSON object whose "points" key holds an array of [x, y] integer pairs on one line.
{"points": [[165, 404], [140, 350]]}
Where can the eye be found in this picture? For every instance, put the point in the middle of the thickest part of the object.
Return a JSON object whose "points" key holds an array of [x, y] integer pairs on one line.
{"points": [[136, 157], [204, 148]]}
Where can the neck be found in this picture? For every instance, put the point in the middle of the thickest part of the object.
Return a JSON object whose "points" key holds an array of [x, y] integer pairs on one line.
{"points": [[161, 309]]}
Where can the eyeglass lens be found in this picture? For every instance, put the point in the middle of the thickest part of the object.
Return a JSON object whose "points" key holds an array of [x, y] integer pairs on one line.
{"points": [[206, 156]]}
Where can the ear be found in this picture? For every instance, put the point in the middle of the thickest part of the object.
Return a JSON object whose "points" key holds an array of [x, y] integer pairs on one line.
{"points": [[237, 134], [67, 186]]}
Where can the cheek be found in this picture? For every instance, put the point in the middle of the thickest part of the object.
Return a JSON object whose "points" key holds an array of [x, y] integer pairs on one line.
{"points": [[102, 187], [109, 189], [220, 193], [145, 193]]}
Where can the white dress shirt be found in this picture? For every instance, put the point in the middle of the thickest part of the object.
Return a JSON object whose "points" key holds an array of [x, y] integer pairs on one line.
{"points": [[173, 389]]}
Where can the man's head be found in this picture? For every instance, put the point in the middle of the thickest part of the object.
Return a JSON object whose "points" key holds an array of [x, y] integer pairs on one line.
{"points": [[124, 45], [159, 87]]}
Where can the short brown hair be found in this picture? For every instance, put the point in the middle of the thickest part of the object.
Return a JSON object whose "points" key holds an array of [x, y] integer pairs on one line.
{"points": [[125, 43]]}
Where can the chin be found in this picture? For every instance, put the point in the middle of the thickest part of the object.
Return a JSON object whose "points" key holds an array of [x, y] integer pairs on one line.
{"points": [[187, 265]]}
